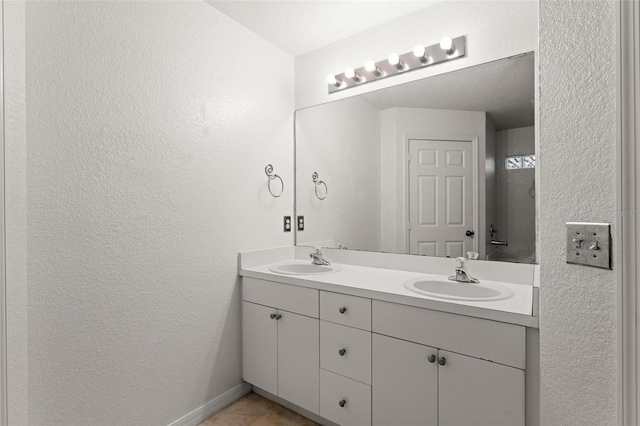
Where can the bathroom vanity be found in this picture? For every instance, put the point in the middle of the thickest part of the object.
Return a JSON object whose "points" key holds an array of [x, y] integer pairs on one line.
{"points": [[354, 346]]}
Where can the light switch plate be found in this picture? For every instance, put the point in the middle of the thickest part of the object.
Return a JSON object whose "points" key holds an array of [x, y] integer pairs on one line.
{"points": [[589, 244]]}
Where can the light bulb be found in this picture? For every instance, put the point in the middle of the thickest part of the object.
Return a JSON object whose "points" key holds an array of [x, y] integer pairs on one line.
{"points": [[446, 44], [394, 59], [420, 52], [371, 67], [333, 81], [351, 73]]}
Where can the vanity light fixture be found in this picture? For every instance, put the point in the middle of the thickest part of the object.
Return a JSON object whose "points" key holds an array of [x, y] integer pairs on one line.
{"points": [[420, 57], [421, 53], [353, 75]]}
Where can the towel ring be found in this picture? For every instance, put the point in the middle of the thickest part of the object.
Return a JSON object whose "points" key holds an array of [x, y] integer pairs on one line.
{"points": [[272, 176], [317, 183]]}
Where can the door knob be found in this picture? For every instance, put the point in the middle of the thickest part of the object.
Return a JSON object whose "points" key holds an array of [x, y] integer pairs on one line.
{"points": [[469, 233], [342, 310], [278, 317], [272, 316], [432, 358], [342, 402], [342, 352], [442, 361]]}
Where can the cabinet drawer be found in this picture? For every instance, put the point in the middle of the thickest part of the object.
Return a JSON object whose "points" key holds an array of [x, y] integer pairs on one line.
{"points": [[344, 401], [489, 340], [300, 300], [346, 351], [347, 310]]}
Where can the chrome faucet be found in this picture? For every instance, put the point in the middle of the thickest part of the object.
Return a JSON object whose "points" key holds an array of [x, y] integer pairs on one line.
{"points": [[318, 258], [461, 272]]}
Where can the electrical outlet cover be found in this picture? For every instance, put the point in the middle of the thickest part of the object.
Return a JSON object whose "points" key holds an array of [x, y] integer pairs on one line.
{"points": [[589, 244]]}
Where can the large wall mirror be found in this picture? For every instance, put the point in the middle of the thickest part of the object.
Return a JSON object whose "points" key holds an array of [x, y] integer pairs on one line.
{"points": [[441, 166]]}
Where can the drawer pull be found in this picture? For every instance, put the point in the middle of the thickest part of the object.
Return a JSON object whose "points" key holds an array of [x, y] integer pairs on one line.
{"points": [[432, 358], [342, 310], [280, 316], [342, 352], [442, 361], [342, 402], [272, 316]]}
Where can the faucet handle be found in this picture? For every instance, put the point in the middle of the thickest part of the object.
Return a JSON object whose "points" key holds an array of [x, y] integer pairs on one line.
{"points": [[461, 261], [472, 255]]}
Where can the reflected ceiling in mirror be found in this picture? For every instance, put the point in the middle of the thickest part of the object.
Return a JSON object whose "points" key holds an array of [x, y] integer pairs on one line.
{"points": [[428, 167]]}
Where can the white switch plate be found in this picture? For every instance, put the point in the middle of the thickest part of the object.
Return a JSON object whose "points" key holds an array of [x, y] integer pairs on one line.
{"points": [[589, 244]]}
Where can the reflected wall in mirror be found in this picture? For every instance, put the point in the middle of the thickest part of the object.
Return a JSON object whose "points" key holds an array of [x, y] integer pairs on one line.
{"points": [[439, 167]]}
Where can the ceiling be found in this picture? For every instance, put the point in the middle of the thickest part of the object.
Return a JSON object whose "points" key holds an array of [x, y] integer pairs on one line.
{"points": [[504, 89], [301, 26]]}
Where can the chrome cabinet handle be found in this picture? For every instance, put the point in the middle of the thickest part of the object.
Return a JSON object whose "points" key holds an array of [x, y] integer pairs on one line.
{"points": [[342, 310], [272, 316], [342, 352], [342, 402], [442, 361], [278, 317], [432, 358]]}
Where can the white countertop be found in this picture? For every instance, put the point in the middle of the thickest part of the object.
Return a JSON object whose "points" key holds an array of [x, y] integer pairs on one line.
{"points": [[388, 285]]}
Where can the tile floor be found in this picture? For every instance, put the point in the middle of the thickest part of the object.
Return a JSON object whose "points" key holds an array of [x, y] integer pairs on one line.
{"points": [[254, 410]]}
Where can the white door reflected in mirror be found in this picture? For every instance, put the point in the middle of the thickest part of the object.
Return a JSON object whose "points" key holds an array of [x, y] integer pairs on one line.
{"points": [[441, 197]]}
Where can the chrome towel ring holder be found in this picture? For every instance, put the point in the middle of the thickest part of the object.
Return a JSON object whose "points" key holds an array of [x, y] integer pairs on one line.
{"points": [[271, 177], [318, 183]]}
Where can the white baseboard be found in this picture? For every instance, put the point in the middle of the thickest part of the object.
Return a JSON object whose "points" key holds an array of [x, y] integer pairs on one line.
{"points": [[207, 410]]}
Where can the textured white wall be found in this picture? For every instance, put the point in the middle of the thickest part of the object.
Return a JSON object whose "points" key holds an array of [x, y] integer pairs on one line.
{"points": [[494, 30], [15, 210], [577, 159], [149, 127], [341, 142]]}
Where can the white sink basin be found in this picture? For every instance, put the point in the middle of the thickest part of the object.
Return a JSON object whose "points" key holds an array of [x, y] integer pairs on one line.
{"points": [[303, 267], [453, 290]]}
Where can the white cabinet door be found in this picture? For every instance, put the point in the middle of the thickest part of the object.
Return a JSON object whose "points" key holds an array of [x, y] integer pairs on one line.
{"points": [[479, 393], [405, 383], [299, 360], [260, 346]]}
